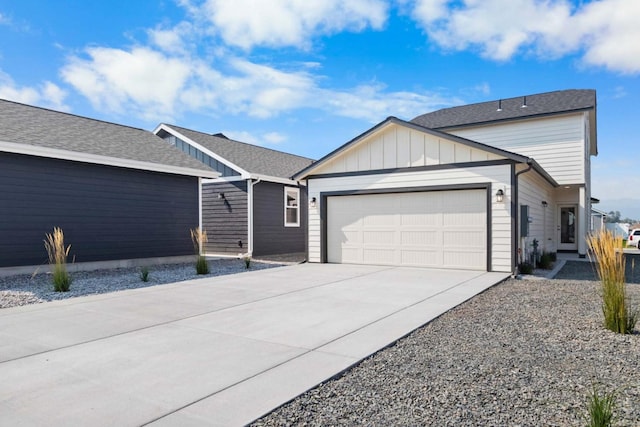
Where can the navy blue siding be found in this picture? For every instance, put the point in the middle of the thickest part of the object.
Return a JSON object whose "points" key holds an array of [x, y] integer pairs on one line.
{"points": [[225, 220], [269, 233], [106, 213]]}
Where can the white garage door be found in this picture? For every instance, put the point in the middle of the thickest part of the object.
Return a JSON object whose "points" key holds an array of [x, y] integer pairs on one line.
{"points": [[441, 229]]}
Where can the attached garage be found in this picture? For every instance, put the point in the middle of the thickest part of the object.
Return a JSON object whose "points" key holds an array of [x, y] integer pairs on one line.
{"points": [[438, 229], [404, 195]]}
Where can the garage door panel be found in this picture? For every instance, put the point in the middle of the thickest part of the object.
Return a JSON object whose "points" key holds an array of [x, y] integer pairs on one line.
{"points": [[421, 238], [378, 237], [445, 229]]}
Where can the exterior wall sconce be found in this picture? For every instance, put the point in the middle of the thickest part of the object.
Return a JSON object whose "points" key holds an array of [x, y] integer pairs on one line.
{"points": [[221, 196], [499, 196], [312, 202], [544, 204]]}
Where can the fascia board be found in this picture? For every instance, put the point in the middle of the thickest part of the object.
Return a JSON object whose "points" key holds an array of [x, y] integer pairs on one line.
{"points": [[245, 174], [55, 153]]}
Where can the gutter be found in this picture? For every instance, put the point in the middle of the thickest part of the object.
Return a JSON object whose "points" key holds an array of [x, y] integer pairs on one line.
{"points": [[514, 214]]}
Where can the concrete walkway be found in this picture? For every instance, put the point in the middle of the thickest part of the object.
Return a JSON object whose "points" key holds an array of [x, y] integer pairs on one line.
{"points": [[215, 351]]}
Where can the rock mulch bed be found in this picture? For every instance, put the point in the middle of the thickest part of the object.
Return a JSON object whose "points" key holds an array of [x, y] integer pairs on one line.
{"points": [[524, 353], [27, 289]]}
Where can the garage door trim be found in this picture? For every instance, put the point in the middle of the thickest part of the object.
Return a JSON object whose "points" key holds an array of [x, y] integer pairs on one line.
{"points": [[475, 186]]}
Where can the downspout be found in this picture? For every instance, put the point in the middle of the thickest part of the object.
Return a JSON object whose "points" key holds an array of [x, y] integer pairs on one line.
{"points": [[200, 209], [250, 185], [514, 209]]}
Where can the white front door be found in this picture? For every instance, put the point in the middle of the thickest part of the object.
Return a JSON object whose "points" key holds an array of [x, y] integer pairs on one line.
{"points": [[568, 227]]}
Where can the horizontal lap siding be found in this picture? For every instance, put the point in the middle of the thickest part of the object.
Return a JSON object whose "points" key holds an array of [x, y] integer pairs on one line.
{"points": [[269, 233], [106, 213], [499, 176], [556, 143], [225, 220], [532, 191]]}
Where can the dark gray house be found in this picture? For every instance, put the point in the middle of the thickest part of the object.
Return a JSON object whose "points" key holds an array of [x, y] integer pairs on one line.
{"points": [[117, 192], [254, 206]]}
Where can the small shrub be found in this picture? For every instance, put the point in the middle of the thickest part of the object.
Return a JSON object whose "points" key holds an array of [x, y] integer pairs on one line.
{"points": [[610, 265], [525, 268], [144, 274], [54, 244], [601, 409], [546, 261], [199, 238], [247, 261]]}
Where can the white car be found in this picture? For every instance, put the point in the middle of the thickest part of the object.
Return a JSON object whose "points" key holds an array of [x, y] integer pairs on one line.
{"points": [[634, 238]]}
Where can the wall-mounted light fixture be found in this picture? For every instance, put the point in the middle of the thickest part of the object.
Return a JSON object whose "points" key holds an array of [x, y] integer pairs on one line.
{"points": [[544, 204], [221, 196], [499, 196], [312, 202]]}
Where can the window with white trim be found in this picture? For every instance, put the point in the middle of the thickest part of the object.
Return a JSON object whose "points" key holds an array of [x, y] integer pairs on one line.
{"points": [[291, 207]]}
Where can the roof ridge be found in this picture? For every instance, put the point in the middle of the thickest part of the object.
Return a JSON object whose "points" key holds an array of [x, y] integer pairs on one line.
{"points": [[73, 115], [513, 98], [239, 142]]}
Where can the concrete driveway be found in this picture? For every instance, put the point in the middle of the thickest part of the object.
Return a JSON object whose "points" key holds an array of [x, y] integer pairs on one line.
{"points": [[214, 351]]}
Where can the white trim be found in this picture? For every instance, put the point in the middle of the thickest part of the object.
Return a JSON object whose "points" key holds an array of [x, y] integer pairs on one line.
{"points": [[56, 153], [245, 174], [250, 194], [200, 208], [224, 179], [274, 179], [297, 223]]}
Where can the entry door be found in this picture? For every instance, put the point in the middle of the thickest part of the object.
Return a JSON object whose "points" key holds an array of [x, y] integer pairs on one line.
{"points": [[568, 228]]}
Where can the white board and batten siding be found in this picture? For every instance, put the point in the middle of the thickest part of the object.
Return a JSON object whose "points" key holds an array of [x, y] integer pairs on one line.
{"points": [[497, 175], [400, 147], [557, 143]]}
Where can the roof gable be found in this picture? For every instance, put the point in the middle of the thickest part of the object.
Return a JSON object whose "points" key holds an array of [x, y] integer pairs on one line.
{"points": [[395, 143], [245, 158], [557, 102], [38, 131]]}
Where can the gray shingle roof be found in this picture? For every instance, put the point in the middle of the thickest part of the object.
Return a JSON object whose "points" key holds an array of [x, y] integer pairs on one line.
{"points": [[251, 158], [537, 105], [40, 127]]}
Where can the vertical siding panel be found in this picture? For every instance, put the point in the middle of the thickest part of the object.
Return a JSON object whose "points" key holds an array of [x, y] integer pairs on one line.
{"points": [[377, 153], [447, 152], [432, 150], [390, 149], [417, 149], [404, 148], [462, 153], [364, 157]]}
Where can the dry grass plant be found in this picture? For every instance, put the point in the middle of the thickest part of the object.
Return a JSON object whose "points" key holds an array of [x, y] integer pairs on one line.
{"points": [[54, 244], [199, 238], [606, 251]]}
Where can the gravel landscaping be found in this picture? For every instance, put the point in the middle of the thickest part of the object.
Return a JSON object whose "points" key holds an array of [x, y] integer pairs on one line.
{"points": [[523, 353], [28, 289]]}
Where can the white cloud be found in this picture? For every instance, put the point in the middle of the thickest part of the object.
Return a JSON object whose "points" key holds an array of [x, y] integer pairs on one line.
{"points": [[45, 95], [605, 32], [268, 138], [114, 79], [274, 138], [160, 86], [247, 23]]}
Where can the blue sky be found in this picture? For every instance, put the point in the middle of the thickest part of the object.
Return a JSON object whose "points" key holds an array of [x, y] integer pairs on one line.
{"points": [[305, 76]]}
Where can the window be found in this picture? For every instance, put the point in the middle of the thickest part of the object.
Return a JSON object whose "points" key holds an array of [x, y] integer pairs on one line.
{"points": [[291, 207]]}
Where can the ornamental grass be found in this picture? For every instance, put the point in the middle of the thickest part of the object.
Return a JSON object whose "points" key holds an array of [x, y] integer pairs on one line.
{"points": [[199, 238], [606, 251], [54, 244]]}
